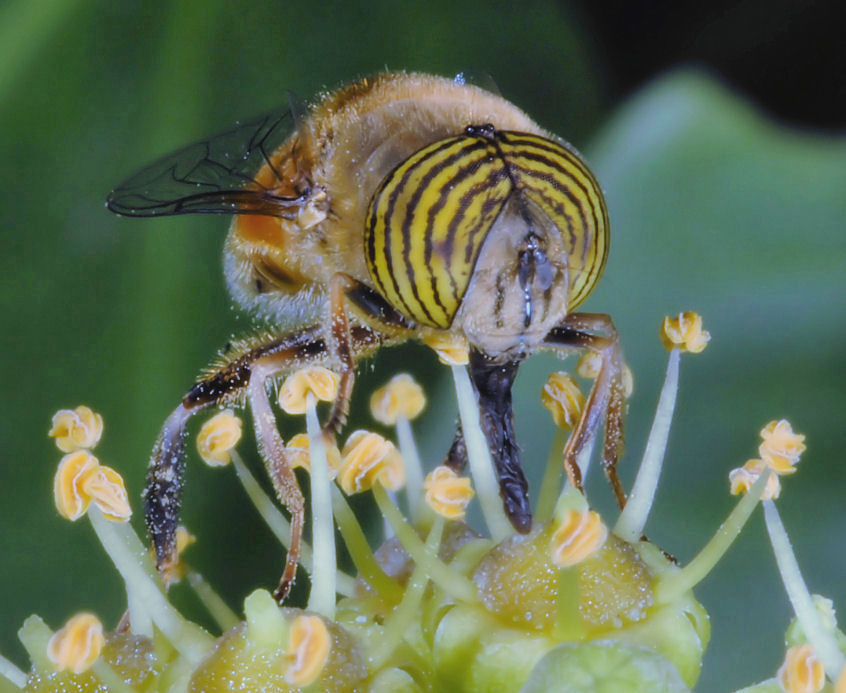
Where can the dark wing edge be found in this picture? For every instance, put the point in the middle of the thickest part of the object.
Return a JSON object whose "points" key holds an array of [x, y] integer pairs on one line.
{"points": [[212, 176]]}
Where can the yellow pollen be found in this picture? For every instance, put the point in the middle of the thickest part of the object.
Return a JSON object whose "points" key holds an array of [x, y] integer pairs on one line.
{"points": [[184, 539], [840, 686], [78, 644], [308, 649], [742, 479], [782, 447], [452, 350], [298, 454], [218, 436], [684, 332], [401, 397], [319, 381], [801, 672], [367, 458], [564, 399], [578, 536], [69, 494], [447, 493], [75, 429], [106, 488]]}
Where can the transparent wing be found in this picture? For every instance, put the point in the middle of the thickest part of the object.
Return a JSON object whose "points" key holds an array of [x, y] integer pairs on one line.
{"points": [[216, 175]]}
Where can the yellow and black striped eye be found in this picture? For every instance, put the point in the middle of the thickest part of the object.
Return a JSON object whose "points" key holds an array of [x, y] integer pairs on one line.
{"points": [[429, 219]]}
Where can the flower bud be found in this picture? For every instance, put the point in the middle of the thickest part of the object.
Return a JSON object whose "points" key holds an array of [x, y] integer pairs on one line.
{"points": [[365, 457], [308, 648], [782, 447], [218, 436], [564, 399], [684, 332], [447, 493], [75, 429], [319, 381], [801, 672], [106, 488], [451, 350], [69, 494], [578, 536], [742, 479], [299, 456], [78, 644], [402, 396]]}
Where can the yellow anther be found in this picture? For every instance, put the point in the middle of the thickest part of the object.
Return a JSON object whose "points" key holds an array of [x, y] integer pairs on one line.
{"points": [[106, 488], [447, 493], [578, 536], [368, 457], [564, 399], [742, 479], [75, 429], [401, 397], [782, 447], [319, 381], [308, 649], [801, 672], [452, 350], [218, 436], [840, 686], [589, 365], [69, 493], [77, 645], [684, 332], [298, 454]]}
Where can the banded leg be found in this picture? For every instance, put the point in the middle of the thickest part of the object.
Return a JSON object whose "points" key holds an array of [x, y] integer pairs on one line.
{"points": [[375, 310], [606, 396], [242, 377]]}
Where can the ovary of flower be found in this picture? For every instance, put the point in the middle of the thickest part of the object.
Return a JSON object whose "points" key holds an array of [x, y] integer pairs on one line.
{"points": [[801, 672], [684, 332], [401, 396], [308, 649], [564, 399], [319, 381], [298, 454], [76, 429], [578, 536], [106, 488], [69, 494], [447, 493], [218, 436], [589, 365], [742, 479], [78, 644], [366, 458], [451, 350], [782, 447]]}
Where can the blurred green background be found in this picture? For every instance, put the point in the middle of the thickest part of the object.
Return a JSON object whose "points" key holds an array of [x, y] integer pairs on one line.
{"points": [[716, 206]]}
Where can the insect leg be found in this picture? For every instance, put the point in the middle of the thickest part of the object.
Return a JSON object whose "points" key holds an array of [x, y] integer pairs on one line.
{"points": [[374, 310], [606, 396], [240, 377]]}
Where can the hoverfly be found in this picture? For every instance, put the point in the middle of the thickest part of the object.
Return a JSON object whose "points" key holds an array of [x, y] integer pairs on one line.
{"points": [[398, 207]]}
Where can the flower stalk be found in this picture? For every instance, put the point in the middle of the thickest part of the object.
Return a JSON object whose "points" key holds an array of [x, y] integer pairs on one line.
{"points": [[797, 591], [479, 457], [633, 517]]}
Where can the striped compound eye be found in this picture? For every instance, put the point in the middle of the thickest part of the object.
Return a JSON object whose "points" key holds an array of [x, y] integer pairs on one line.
{"points": [[429, 219]]}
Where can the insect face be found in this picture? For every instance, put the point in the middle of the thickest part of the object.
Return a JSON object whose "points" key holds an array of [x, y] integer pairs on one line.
{"points": [[399, 207]]}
